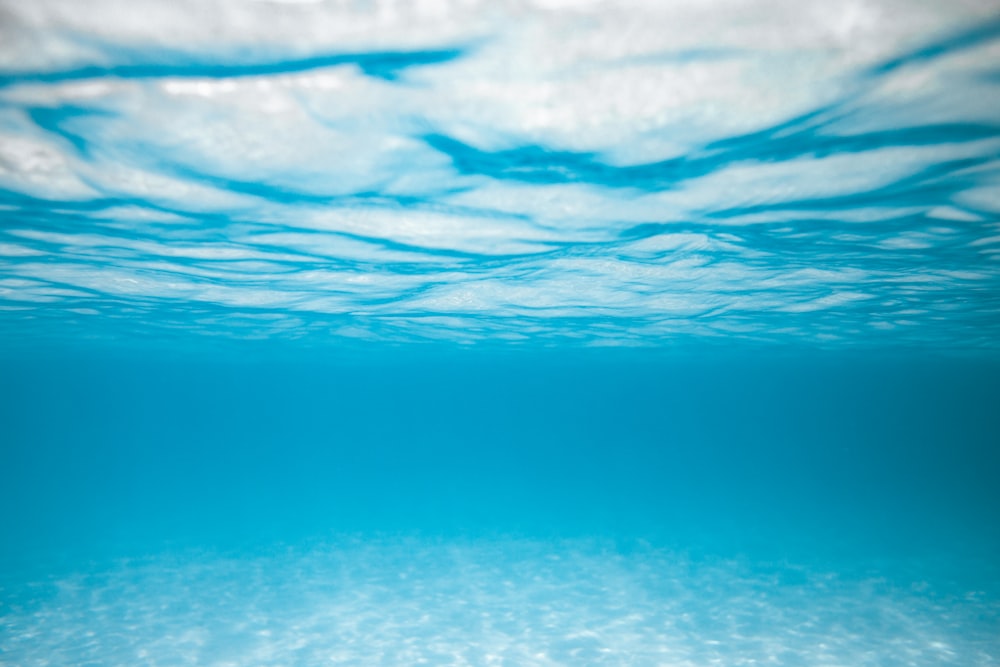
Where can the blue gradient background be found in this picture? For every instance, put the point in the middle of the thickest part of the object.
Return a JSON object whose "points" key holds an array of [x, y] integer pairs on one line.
{"points": [[515, 333], [819, 456]]}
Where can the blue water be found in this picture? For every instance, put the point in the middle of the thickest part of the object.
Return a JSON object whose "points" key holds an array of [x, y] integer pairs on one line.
{"points": [[517, 333]]}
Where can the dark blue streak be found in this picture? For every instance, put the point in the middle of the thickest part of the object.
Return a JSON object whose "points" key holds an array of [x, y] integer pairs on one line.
{"points": [[56, 119], [931, 186], [966, 39], [535, 164], [384, 65]]}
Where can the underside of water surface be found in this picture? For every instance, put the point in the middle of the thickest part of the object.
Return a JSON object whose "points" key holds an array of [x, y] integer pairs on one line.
{"points": [[525, 332]]}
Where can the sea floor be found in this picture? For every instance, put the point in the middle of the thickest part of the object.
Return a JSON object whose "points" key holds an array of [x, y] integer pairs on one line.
{"points": [[489, 601]]}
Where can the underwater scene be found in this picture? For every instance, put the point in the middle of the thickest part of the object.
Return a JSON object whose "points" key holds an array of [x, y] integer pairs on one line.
{"points": [[510, 332]]}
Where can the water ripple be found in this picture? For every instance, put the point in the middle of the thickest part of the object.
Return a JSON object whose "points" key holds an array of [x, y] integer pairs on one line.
{"points": [[655, 176]]}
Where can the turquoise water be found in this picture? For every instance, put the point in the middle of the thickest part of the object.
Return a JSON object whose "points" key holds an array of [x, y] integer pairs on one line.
{"points": [[518, 333]]}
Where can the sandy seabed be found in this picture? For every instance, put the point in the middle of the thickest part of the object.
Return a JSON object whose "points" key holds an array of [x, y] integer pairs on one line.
{"points": [[486, 602]]}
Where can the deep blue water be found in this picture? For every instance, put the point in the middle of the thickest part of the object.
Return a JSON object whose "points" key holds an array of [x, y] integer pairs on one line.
{"points": [[471, 504], [816, 456], [530, 333]]}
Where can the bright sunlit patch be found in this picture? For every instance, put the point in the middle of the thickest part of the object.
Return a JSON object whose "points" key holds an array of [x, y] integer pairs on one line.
{"points": [[391, 602]]}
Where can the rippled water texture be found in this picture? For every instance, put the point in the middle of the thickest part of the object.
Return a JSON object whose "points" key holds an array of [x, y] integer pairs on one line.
{"points": [[619, 173]]}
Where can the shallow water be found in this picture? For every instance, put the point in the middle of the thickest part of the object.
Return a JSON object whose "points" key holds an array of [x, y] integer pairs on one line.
{"points": [[523, 333]]}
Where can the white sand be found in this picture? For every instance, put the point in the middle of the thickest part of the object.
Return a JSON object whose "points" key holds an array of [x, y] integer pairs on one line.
{"points": [[488, 602]]}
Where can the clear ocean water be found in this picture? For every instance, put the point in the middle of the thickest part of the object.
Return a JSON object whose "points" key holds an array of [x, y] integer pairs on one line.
{"points": [[525, 332]]}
